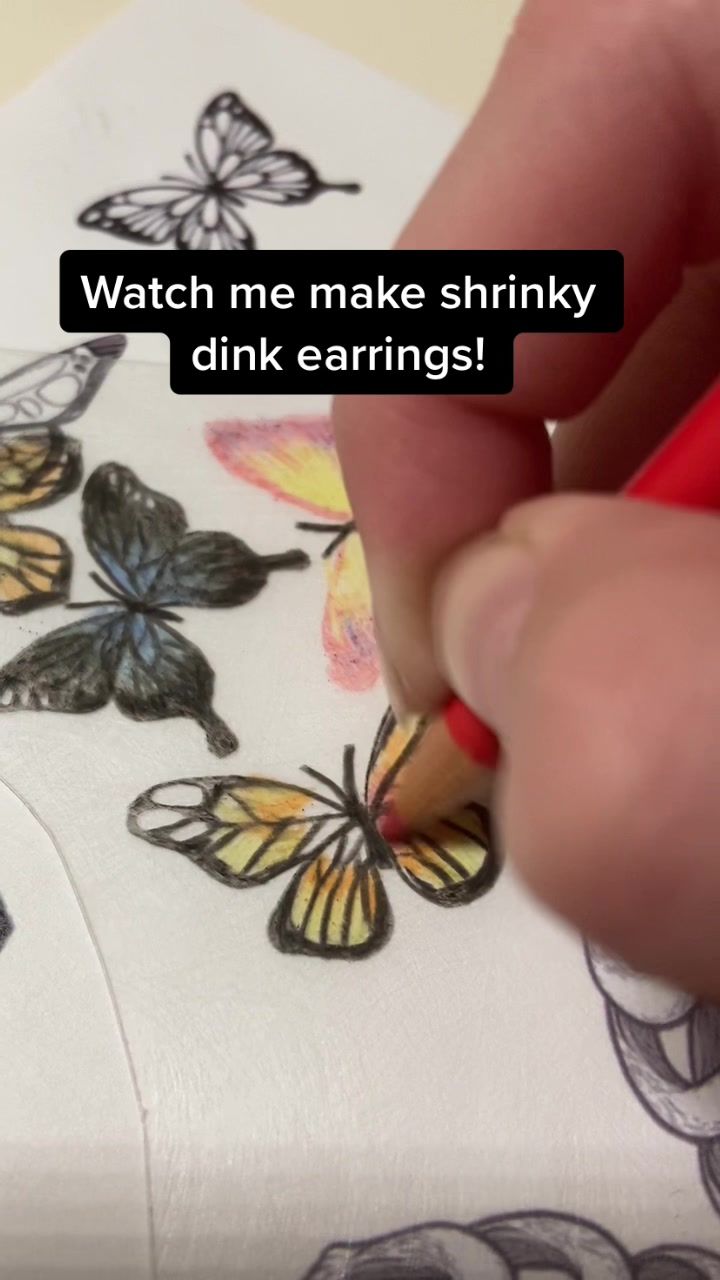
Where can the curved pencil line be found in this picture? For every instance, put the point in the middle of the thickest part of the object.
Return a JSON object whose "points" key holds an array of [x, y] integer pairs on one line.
{"points": [[135, 1084]]}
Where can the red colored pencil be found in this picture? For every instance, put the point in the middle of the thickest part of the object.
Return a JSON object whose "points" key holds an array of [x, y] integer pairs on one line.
{"points": [[458, 754]]}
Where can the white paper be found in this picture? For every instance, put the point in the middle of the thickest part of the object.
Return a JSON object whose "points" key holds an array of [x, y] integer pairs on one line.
{"points": [[120, 112], [245, 1106], [464, 1070], [72, 1163]]}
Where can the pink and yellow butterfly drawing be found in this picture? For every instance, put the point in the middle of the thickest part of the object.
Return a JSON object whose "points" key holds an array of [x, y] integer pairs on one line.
{"points": [[294, 459]]}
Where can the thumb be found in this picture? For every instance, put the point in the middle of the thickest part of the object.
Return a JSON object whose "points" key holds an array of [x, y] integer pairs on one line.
{"points": [[587, 633]]}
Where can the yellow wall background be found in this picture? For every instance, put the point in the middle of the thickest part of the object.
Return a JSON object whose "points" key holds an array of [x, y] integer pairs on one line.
{"points": [[444, 48]]}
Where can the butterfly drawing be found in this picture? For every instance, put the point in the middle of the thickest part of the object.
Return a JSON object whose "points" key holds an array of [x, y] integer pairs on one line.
{"points": [[39, 464], [125, 650], [294, 459], [245, 830], [234, 163]]}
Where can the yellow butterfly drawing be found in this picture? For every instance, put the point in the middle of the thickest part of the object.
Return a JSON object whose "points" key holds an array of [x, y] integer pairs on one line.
{"points": [[294, 459], [39, 464], [246, 830]]}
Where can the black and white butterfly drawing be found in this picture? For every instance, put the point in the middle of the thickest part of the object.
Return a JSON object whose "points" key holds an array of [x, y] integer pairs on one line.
{"points": [[234, 163], [125, 651]]}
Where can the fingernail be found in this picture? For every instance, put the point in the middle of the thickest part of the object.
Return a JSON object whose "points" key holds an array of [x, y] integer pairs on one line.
{"points": [[401, 609], [481, 613], [394, 688]]}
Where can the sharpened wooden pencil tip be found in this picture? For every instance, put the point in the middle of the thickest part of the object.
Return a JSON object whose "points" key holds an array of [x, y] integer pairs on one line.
{"points": [[439, 779]]}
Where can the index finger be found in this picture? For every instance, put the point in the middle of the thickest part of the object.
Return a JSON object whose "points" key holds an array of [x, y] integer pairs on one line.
{"points": [[588, 139]]}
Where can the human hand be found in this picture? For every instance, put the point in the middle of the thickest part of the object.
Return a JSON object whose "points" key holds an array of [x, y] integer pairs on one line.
{"points": [[588, 632]]}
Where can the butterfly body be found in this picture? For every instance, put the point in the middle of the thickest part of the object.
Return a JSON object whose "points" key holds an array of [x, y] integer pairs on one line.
{"points": [[234, 163], [125, 650], [246, 830]]}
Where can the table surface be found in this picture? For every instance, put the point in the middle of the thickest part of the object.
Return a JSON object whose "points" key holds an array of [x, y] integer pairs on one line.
{"points": [[446, 49]]}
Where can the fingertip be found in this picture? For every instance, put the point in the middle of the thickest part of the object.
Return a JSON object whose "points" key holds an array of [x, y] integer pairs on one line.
{"points": [[415, 683], [481, 602], [424, 475]]}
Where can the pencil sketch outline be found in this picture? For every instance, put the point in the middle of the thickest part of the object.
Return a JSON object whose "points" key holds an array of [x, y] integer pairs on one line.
{"points": [[640, 1012], [507, 1246]]}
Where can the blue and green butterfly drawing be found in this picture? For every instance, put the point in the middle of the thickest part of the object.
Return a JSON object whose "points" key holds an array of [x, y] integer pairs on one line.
{"points": [[125, 650]]}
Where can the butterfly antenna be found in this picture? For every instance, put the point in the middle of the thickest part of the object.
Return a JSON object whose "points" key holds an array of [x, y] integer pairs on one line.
{"points": [[104, 586], [349, 773], [87, 604], [338, 540], [193, 165], [181, 179], [340, 530], [286, 560], [333, 787], [350, 188]]}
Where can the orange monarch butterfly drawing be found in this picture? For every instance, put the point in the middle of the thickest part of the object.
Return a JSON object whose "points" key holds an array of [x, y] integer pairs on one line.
{"points": [[246, 830], [39, 465], [294, 459]]}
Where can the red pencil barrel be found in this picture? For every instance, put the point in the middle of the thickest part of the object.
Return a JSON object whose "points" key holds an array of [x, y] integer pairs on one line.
{"points": [[474, 738], [684, 471]]}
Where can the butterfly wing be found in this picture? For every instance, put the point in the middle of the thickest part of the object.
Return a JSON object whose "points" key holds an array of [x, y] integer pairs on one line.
{"points": [[57, 388], [348, 635], [234, 148], [152, 672], [293, 459], [278, 177], [336, 905], [242, 831], [392, 748], [159, 675], [130, 529], [195, 214], [139, 537], [37, 469], [35, 569], [148, 215], [454, 862], [228, 133], [217, 570], [70, 669]]}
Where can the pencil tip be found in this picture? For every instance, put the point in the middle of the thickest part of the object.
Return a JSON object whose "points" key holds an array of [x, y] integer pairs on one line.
{"points": [[391, 826]]}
